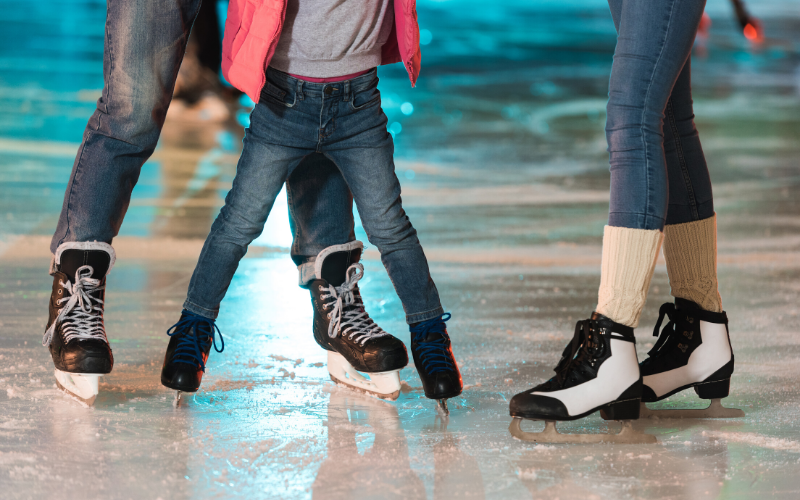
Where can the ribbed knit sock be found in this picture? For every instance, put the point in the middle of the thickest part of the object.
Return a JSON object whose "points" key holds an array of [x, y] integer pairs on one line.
{"points": [[691, 253], [629, 258]]}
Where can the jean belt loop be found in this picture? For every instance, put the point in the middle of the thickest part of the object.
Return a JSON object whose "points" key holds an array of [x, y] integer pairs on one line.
{"points": [[347, 95], [300, 89]]}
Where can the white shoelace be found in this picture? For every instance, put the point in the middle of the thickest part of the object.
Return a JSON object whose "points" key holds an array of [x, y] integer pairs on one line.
{"points": [[348, 311], [83, 313]]}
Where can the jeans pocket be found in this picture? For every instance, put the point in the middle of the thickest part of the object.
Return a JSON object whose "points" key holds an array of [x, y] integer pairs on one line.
{"points": [[276, 94], [365, 98]]}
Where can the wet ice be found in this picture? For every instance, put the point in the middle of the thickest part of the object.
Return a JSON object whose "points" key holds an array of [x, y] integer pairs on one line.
{"points": [[504, 173]]}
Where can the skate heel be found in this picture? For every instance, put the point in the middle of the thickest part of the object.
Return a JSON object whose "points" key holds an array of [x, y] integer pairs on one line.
{"points": [[714, 390], [621, 410]]}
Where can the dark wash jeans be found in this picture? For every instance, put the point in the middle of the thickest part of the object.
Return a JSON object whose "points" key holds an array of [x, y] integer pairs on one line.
{"points": [[344, 122], [144, 46], [658, 172]]}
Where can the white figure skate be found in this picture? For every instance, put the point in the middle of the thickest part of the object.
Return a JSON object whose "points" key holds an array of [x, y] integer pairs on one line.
{"points": [[597, 372], [692, 351]]}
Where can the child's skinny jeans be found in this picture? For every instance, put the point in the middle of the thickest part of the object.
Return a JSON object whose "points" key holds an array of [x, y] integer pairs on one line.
{"points": [[344, 122]]}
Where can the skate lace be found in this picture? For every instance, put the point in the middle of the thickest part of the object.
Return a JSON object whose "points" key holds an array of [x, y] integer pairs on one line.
{"points": [[666, 337], [82, 316], [583, 348], [348, 316], [191, 348], [433, 354]]}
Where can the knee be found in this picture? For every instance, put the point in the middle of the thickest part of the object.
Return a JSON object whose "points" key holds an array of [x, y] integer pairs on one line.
{"points": [[390, 233], [238, 227]]}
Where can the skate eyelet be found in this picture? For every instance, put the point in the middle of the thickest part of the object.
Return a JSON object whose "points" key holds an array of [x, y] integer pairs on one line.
{"points": [[60, 291]]}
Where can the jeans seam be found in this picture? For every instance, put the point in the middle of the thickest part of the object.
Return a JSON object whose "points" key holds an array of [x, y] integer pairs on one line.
{"points": [[646, 100], [294, 250], [72, 187], [110, 69], [682, 159]]}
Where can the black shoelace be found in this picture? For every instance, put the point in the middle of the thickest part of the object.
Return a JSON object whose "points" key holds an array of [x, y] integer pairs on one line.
{"points": [[584, 348], [667, 334]]}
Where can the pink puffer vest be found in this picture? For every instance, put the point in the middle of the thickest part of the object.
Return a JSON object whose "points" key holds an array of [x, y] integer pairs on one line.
{"points": [[253, 28]]}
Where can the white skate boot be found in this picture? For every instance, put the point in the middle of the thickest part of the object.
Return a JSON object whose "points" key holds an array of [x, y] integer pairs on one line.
{"points": [[598, 371], [75, 331], [692, 351], [360, 354]]}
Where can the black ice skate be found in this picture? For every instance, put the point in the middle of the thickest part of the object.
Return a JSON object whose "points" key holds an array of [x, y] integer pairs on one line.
{"points": [[190, 343], [693, 351], [433, 357], [342, 326], [598, 371], [75, 333]]}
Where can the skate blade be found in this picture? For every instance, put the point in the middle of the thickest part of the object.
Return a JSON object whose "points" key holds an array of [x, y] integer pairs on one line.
{"points": [[441, 408], [628, 435], [81, 386], [384, 385], [714, 410], [177, 401]]}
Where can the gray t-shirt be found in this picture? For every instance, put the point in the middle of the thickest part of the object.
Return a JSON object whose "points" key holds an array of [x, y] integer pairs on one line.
{"points": [[328, 38]]}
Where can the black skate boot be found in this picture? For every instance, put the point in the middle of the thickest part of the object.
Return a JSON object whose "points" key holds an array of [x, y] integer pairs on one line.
{"points": [[693, 351], [190, 343], [433, 357], [75, 332], [598, 371], [342, 326]]}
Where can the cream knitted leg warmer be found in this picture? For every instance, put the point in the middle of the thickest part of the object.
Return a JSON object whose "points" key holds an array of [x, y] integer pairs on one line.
{"points": [[691, 253], [629, 258]]}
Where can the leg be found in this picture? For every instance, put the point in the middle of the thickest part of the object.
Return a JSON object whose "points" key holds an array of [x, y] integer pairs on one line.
{"points": [[363, 150], [653, 43], [369, 173], [690, 195], [320, 212], [655, 39], [264, 166], [144, 45], [701, 355], [260, 174], [690, 243]]}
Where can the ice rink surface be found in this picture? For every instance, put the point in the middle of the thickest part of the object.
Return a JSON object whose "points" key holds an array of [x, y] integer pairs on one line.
{"points": [[501, 154]]}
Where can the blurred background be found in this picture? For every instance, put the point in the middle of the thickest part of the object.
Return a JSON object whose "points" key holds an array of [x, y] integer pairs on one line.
{"points": [[511, 98]]}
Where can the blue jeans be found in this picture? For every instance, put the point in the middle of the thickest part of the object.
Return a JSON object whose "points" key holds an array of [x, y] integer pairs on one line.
{"points": [[344, 122], [658, 171], [144, 46]]}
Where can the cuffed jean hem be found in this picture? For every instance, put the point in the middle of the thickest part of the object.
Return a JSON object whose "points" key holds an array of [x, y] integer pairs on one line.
{"points": [[424, 316], [635, 221], [202, 311], [307, 273]]}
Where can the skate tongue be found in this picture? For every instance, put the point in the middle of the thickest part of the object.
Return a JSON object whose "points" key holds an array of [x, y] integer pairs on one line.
{"points": [[72, 260], [335, 265], [431, 330]]}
